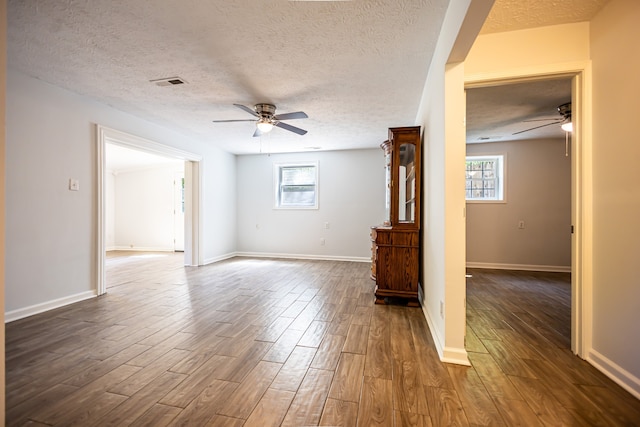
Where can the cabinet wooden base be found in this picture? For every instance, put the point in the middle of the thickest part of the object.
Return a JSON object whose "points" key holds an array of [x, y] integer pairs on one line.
{"points": [[384, 296]]}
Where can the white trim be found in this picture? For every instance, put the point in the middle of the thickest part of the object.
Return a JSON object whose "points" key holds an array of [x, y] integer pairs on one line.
{"points": [[455, 356], [21, 313], [123, 139], [101, 225], [618, 374], [521, 267], [303, 256], [193, 238], [582, 184], [218, 258], [193, 168], [141, 249]]}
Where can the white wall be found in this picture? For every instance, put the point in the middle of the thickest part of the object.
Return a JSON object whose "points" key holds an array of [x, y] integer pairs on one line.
{"points": [[538, 192], [616, 193], [351, 199], [51, 138], [443, 245], [143, 208]]}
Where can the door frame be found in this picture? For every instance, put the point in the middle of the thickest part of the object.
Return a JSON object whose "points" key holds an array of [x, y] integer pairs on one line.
{"points": [[581, 185], [193, 195], [178, 176]]}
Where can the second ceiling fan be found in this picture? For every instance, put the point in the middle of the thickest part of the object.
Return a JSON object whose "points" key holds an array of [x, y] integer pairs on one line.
{"points": [[565, 112], [267, 119]]}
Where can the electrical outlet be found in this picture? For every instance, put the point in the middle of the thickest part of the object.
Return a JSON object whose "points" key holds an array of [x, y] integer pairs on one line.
{"points": [[326, 225], [442, 309], [322, 241], [521, 224], [74, 184]]}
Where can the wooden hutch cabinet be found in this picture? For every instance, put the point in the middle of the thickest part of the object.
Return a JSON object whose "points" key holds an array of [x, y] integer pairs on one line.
{"points": [[395, 251]]}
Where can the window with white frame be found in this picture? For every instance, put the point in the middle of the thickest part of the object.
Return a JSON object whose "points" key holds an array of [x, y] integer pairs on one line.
{"points": [[484, 178], [296, 185]]}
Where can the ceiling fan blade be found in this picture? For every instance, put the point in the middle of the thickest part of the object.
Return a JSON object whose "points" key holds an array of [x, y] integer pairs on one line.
{"points": [[289, 116], [537, 127], [541, 120], [258, 132], [229, 121], [247, 109], [290, 128]]}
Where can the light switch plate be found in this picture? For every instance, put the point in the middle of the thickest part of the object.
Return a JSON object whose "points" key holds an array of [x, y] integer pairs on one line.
{"points": [[74, 184]]}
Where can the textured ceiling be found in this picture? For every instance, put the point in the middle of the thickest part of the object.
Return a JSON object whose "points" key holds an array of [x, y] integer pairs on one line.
{"points": [[497, 113], [355, 67], [509, 15]]}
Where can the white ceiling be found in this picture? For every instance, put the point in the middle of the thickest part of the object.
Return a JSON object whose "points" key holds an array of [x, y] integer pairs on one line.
{"points": [[355, 67]]}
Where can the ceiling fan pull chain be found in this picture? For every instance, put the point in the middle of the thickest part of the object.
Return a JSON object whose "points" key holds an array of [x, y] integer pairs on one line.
{"points": [[566, 144]]}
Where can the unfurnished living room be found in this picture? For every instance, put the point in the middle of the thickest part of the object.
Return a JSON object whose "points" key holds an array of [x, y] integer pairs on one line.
{"points": [[303, 212]]}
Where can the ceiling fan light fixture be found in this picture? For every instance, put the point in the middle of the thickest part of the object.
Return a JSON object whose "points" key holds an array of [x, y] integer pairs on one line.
{"points": [[265, 125], [567, 127]]}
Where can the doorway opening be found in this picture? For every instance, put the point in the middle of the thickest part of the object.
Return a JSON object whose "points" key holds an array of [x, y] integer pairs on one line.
{"points": [[579, 151], [187, 190]]}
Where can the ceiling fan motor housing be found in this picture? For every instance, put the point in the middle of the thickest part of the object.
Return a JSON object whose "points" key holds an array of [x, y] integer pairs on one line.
{"points": [[565, 110], [265, 110]]}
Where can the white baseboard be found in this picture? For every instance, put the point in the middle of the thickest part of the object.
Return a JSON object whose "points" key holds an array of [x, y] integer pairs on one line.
{"points": [[457, 356], [219, 258], [522, 267], [21, 313], [303, 256], [619, 375], [142, 249]]}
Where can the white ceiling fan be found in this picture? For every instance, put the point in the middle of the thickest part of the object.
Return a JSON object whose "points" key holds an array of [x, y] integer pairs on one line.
{"points": [[267, 119]]}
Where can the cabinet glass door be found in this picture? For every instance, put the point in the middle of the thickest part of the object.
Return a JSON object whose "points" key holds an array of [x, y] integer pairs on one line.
{"points": [[387, 197], [407, 184]]}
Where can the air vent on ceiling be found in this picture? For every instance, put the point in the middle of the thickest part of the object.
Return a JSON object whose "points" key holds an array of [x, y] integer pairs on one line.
{"points": [[170, 81]]}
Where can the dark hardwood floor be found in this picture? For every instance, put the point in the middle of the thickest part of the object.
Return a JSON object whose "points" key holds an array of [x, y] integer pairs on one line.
{"points": [[263, 342]]}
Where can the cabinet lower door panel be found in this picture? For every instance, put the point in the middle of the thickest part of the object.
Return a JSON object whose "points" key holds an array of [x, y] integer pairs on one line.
{"points": [[396, 265]]}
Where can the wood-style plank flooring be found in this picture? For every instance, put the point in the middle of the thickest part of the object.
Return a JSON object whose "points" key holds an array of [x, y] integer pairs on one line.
{"points": [[261, 342]]}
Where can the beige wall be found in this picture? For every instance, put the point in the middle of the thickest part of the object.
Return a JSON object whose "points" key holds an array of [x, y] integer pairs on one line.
{"points": [[615, 32], [606, 50], [520, 50], [538, 192]]}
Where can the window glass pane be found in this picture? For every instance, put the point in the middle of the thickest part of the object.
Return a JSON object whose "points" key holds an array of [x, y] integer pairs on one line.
{"points": [[484, 178], [298, 175], [296, 186]]}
